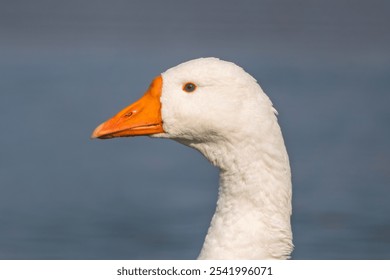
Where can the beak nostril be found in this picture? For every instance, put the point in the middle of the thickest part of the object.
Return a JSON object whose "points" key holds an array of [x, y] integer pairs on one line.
{"points": [[128, 114]]}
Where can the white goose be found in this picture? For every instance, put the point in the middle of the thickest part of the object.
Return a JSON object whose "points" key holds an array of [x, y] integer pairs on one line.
{"points": [[220, 110]]}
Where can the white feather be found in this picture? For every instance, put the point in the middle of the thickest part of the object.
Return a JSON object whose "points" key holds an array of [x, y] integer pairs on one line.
{"points": [[232, 122]]}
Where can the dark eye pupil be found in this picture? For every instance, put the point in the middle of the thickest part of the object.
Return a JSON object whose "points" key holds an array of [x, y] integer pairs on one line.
{"points": [[189, 87]]}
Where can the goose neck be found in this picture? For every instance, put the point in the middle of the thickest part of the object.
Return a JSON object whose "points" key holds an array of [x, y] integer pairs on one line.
{"points": [[252, 217]]}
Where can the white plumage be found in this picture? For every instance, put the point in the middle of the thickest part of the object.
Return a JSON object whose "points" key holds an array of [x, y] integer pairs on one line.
{"points": [[232, 122]]}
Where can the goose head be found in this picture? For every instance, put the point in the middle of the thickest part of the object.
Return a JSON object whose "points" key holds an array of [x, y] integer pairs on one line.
{"points": [[202, 101]]}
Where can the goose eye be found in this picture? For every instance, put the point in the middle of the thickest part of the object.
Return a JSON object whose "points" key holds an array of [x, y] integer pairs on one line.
{"points": [[189, 87]]}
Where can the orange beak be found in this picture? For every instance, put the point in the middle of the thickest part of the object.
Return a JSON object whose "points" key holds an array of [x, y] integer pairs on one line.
{"points": [[140, 118]]}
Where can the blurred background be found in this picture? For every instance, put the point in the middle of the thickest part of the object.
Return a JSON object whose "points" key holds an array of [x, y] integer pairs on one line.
{"points": [[66, 66]]}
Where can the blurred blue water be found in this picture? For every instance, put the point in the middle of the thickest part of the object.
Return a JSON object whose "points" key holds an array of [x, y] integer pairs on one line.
{"points": [[64, 196]]}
